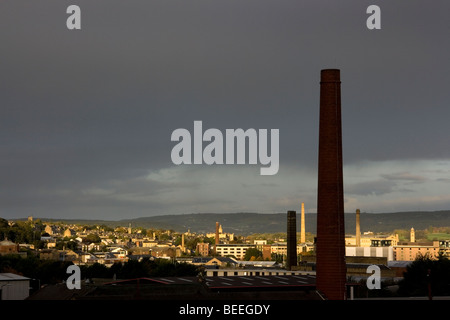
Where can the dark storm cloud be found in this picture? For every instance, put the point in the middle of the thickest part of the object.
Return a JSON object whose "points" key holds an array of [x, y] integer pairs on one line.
{"points": [[82, 110], [388, 183]]}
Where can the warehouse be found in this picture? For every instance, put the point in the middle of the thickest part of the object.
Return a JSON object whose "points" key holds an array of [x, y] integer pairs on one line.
{"points": [[14, 287]]}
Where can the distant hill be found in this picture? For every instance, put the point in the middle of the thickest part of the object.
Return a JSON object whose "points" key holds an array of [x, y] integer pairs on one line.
{"points": [[387, 222], [250, 223]]}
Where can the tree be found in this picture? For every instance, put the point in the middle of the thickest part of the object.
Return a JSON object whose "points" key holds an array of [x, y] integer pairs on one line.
{"points": [[278, 258], [95, 238], [47, 271], [136, 269], [20, 232], [424, 273], [252, 253], [3, 223], [66, 245], [95, 270]]}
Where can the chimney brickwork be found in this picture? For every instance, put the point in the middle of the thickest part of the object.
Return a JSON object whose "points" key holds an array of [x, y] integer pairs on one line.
{"points": [[330, 246]]}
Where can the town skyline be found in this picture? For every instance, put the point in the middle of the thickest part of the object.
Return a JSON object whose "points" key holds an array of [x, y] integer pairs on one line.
{"points": [[254, 223], [115, 255]]}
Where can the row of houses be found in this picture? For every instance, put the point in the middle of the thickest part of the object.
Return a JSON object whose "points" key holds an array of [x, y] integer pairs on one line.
{"points": [[107, 258]]}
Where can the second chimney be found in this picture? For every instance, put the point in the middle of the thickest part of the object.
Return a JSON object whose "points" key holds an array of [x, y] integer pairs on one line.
{"points": [[302, 225], [358, 229], [291, 260]]}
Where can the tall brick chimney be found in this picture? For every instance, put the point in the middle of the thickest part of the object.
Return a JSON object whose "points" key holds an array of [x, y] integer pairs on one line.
{"points": [[330, 245]]}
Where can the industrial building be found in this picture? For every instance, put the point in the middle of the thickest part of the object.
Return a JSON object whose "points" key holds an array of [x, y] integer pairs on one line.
{"points": [[14, 287], [236, 250]]}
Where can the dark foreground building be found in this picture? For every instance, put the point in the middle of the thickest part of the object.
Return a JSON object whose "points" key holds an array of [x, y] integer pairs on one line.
{"points": [[330, 246], [299, 287]]}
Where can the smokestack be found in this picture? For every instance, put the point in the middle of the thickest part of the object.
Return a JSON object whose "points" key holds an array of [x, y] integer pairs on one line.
{"points": [[302, 225], [330, 247], [291, 260], [358, 229], [182, 242], [217, 233]]}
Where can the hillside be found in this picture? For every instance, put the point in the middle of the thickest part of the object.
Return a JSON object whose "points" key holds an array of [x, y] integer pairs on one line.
{"points": [[250, 223]]}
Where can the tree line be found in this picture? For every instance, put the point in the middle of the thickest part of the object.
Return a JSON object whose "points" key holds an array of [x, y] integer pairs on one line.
{"points": [[426, 276], [21, 231]]}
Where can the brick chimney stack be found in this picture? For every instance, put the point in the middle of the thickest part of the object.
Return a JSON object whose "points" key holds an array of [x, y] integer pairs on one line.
{"points": [[330, 246]]}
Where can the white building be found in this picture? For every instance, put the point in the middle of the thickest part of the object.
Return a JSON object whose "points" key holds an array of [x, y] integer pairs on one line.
{"points": [[236, 250], [385, 252], [14, 287], [280, 248], [255, 272]]}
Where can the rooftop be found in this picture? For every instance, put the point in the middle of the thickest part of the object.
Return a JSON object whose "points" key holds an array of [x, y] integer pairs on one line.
{"points": [[231, 287], [11, 277]]}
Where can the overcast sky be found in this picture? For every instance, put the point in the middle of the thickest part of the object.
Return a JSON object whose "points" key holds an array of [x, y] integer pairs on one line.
{"points": [[86, 116]]}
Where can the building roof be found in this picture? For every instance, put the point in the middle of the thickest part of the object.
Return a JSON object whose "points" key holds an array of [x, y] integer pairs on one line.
{"points": [[163, 288], [12, 277], [60, 292], [235, 245], [207, 259], [399, 264], [232, 282], [365, 266], [6, 242], [251, 282], [258, 263]]}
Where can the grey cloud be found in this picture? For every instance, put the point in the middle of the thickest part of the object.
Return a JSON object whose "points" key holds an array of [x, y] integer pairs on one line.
{"points": [[377, 187], [404, 176], [389, 183]]}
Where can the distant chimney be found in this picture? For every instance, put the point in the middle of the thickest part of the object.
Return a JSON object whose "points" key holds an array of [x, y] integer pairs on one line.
{"points": [[412, 235], [217, 233], [330, 245], [291, 260], [302, 225], [358, 229]]}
